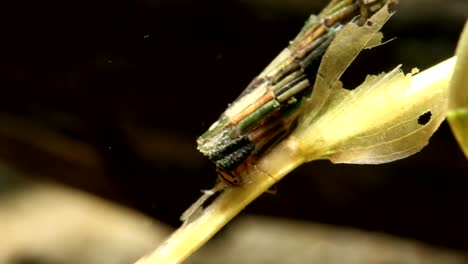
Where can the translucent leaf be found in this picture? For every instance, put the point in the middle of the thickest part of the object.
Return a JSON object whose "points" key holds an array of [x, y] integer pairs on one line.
{"points": [[339, 55], [386, 118]]}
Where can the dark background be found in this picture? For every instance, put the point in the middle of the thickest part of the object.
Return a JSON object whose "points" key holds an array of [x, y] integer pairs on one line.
{"points": [[109, 97]]}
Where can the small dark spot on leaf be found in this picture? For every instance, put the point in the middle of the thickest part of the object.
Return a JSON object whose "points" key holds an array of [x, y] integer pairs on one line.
{"points": [[424, 118], [369, 23]]}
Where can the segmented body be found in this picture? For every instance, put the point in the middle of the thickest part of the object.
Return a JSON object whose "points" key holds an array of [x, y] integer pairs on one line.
{"points": [[267, 109]]}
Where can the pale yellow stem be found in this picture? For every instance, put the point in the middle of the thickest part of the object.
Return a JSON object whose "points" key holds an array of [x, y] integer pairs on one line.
{"points": [[259, 177], [457, 115]]}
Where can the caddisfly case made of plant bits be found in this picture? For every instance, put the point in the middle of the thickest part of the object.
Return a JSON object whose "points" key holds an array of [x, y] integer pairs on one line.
{"points": [[268, 108]]}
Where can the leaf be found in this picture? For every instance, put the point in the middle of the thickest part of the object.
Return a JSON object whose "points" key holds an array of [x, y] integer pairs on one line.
{"points": [[384, 119], [457, 115], [339, 55]]}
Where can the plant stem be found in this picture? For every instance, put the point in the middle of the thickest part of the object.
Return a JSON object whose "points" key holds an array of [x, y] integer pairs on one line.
{"points": [[259, 178], [457, 114]]}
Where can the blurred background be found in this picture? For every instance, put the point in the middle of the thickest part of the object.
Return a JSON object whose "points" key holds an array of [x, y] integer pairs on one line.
{"points": [[101, 104]]}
